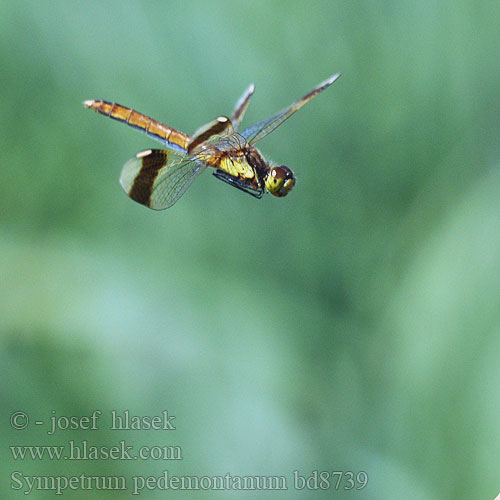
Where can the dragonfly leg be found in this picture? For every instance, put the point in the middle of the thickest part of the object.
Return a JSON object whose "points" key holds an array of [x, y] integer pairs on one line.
{"points": [[237, 183]]}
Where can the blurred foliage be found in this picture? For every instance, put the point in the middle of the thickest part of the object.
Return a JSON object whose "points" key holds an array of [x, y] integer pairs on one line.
{"points": [[353, 325]]}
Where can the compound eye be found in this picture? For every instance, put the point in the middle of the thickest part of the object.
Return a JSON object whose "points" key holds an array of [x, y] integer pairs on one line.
{"points": [[284, 172]]}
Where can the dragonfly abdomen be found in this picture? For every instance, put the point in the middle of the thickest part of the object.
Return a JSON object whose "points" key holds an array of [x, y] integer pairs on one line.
{"points": [[156, 130]]}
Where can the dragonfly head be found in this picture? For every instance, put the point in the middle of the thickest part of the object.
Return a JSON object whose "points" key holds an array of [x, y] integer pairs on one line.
{"points": [[279, 181]]}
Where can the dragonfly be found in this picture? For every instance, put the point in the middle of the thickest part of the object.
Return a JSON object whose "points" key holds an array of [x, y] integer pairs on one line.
{"points": [[157, 178]]}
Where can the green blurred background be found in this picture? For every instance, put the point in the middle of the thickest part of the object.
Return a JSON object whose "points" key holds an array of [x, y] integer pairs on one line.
{"points": [[352, 326]]}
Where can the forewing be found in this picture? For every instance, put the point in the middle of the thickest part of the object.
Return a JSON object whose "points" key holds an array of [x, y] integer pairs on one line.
{"points": [[241, 107], [210, 133], [157, 178], [258, 131]]}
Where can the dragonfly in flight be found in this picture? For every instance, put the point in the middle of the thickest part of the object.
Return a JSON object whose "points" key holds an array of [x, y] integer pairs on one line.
{"points": [[157, 178]]}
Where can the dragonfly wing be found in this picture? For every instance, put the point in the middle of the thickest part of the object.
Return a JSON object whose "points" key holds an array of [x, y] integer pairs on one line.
{"points": [[211, 132], [157, 178], [258, 131], [241, 107]]}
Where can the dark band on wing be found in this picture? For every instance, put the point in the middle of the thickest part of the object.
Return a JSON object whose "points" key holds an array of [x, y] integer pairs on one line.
{"points": [[237, 113], [242, 104], [219, 126], [319, 89], [144, 181]]}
